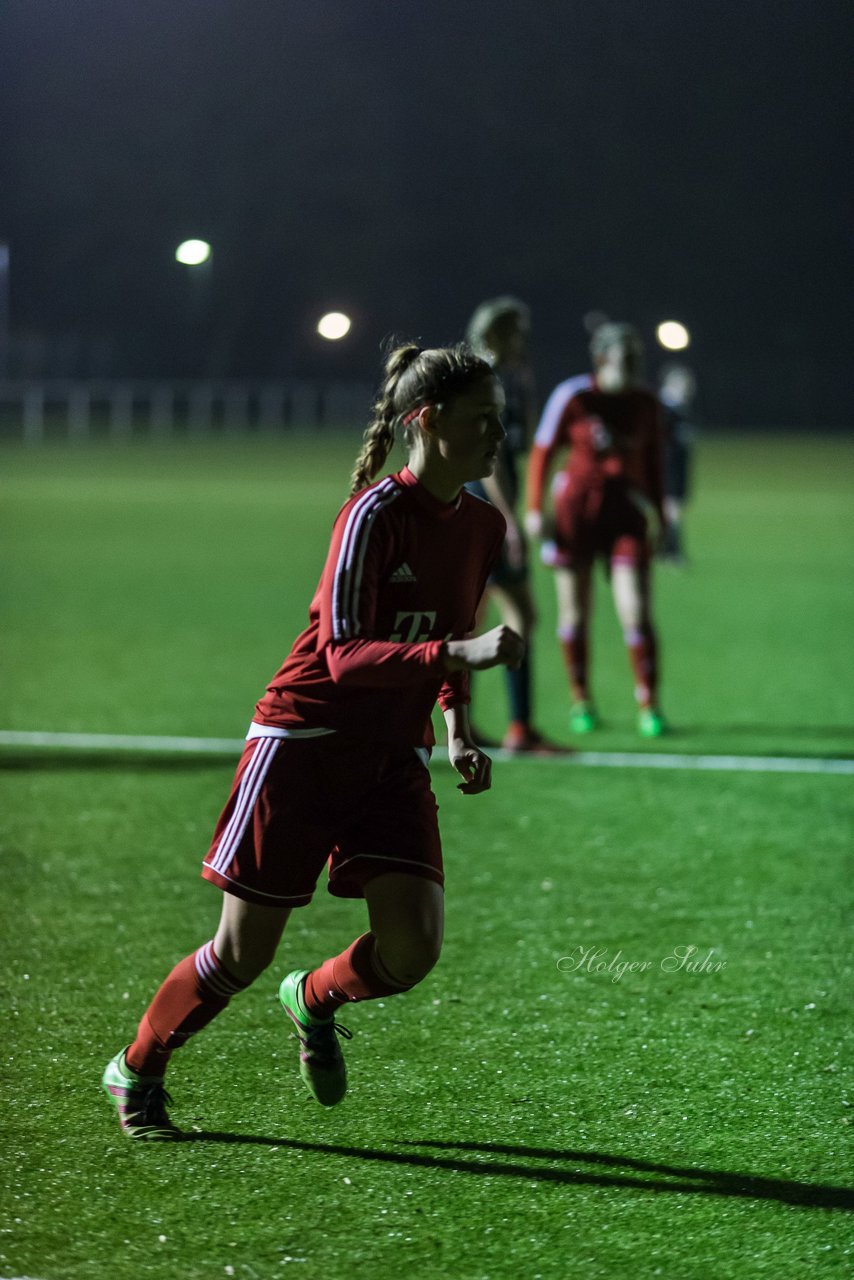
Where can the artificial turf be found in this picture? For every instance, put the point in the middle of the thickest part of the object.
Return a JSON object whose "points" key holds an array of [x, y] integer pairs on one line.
{"points": [[522, 1113]]}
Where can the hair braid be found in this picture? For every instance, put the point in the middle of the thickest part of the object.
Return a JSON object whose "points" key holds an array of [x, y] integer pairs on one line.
{"points": [[378, 440], [413, 377]]}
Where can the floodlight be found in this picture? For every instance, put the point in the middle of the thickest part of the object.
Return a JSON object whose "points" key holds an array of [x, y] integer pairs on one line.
{"points": [[333, 325], [672, 335], [192, 253]]}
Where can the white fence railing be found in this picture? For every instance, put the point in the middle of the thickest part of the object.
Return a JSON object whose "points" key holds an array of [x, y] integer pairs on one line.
{"points": [[33, 411]]}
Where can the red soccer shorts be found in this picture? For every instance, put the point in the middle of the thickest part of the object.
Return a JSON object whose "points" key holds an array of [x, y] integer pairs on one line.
{"points": [[587, 525], [297, 803]]}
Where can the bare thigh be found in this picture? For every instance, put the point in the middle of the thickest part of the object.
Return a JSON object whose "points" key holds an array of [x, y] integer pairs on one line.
{"points": [[574, 596], [248, 935], [407, 917], [630, 584]]}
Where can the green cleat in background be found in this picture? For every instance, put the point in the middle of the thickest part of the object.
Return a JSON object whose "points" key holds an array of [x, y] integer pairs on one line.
{"points": [[583, 718], [651, 723]]}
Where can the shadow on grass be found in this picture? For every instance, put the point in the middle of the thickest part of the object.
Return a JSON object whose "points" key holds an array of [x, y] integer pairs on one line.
{"points": [[712, 1182]]}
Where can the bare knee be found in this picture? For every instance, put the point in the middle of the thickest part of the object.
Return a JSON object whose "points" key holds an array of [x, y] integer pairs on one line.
{"points": [[245, 962], [406, 914], [248, 937], [631, 596], [409, 957], [573, 598]]}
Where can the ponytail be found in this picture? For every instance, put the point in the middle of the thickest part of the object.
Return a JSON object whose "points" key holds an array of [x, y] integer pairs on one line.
{"points": [[413, 378], [378, 440]]}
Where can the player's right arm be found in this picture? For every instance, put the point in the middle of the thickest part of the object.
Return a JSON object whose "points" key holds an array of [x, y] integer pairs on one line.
{"points": [[500, 647], [551, 435], [360, 555], [359, 558]]}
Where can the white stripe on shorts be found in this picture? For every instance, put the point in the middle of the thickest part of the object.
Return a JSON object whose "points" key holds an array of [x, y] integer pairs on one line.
{"points": [[250, 785]]}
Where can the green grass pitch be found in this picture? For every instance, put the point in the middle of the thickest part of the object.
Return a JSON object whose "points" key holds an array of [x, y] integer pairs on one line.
{"points": [[519, 1115]]}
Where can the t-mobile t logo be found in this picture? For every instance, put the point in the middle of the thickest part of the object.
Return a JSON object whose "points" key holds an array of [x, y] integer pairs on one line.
{"points": [[412, 628]]}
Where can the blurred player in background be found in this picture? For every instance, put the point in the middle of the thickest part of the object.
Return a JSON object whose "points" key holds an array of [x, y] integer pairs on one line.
{"points": [[498, 331], [607, 502], [335, 766], [677, 388]]}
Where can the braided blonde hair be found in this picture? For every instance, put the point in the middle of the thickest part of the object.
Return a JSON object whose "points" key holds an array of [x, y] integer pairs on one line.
{"points": [[413, 377]]}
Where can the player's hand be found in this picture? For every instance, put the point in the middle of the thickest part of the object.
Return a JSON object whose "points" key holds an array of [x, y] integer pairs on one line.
{"points": [[472, 765], [500, 647], [655, 526], [534, 523]]}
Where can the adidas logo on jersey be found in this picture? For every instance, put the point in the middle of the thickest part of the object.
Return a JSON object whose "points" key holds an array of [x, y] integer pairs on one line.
{"points": [[403, 573]]}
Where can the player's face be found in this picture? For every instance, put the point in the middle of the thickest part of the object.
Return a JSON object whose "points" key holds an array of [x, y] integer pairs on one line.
{"points": [[620, 366], [468, 431], [508, 341]]}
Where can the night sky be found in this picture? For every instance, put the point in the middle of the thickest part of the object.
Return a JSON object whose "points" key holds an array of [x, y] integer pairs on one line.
{"points": [[651, 159]]}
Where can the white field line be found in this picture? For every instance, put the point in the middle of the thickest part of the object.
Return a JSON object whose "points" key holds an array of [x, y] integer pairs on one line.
{"points": [[590, 759], [120, 742]]}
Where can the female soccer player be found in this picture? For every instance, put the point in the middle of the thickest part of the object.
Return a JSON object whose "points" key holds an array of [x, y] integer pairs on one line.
{"points": [[608, 502], [334, 769], [498, 331]]}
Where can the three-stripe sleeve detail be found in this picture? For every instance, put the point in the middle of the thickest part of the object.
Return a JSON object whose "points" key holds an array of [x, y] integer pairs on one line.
{"points": [[347, 581]]}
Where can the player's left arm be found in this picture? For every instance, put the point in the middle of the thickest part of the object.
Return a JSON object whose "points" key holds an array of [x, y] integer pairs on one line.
{"points": [[455, 690], [473, 766], [655, 462], [497, 489], [530, 406]]}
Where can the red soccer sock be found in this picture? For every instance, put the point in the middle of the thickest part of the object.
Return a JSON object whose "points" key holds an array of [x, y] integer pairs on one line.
{"points": [[197, 989], [574, 644], [642, 646], [357, 974]]}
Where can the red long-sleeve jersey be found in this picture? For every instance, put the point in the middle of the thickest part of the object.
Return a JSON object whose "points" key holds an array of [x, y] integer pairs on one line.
{"points": [[613, 437], [404, 573]]}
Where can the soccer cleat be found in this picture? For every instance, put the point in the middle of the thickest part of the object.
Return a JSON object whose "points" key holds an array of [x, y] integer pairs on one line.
{"points": [[521, 737], [140, 1102], [651, 723], [583, 718], [322, 1065]]}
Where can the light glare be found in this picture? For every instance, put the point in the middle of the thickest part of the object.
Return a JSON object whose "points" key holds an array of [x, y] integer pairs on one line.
{"points": [[333, 325], [672, 335], [192, 253]]}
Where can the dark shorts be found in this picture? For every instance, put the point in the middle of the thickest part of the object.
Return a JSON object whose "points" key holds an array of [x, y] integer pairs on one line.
{"points": [[616, 529], [297, 804]]}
